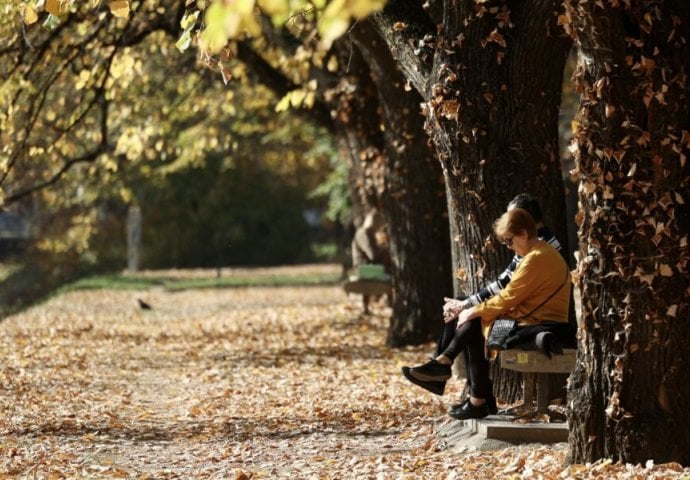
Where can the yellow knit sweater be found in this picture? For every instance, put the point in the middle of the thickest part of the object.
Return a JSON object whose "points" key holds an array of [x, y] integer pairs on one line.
{"points": [[540, 273]]}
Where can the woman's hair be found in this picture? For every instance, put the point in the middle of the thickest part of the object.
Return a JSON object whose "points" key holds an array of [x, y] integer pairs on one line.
{"points": [[514, 222], [528, 202]]}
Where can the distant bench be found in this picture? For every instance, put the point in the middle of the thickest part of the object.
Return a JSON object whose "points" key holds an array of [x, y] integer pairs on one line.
{"points": [[536, 368], [370, 280]]}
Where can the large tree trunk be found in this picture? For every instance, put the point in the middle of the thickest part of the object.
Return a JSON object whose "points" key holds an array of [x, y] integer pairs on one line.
{"points": [[414, 200], [379, 129], [492, 113], [628, 394]]}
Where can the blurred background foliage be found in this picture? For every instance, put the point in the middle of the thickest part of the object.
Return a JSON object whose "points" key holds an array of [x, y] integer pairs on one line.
{"points": [[220, 177]]}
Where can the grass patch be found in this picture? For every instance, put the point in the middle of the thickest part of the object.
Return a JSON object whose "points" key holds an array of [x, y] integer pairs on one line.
{"points": [[112, 282], [252, 281], [263, 278]]}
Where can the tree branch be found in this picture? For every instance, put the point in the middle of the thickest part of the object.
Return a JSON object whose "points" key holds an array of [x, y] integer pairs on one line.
{"points": [[409, 32], [280, 84]]}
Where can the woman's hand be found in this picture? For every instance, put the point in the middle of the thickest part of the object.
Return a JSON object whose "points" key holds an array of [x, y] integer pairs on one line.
{"points": [[452, 308], [467, 314]]}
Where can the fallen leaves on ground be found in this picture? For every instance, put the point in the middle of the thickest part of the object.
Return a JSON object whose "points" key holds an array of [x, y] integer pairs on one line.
{"points": [[232, 384]]}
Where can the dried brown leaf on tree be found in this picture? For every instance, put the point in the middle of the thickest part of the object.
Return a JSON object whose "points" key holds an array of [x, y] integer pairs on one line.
{"points": [[496, 37], [450, 109]]}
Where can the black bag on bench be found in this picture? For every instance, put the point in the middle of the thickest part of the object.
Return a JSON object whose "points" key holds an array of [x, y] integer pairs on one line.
{"points": [[547, 337], [503, 330]]}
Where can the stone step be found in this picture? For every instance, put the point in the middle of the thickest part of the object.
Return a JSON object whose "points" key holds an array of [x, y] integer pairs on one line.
{"points": [[495, 431]]}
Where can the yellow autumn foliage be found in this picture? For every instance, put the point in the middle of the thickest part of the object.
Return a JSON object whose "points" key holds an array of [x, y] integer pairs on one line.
{"points": [[225, 21]]}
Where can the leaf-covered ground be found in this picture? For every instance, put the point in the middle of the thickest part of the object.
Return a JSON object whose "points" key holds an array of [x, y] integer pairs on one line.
{"points": [[233, 383]]}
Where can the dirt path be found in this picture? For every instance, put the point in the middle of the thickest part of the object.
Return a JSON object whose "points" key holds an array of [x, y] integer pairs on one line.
{"points": [[217, 384], [208, 384]]}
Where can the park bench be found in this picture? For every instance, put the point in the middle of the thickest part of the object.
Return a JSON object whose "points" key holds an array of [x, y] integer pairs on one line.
{"points": [[536, 369], [514, 425], [370, 280]]}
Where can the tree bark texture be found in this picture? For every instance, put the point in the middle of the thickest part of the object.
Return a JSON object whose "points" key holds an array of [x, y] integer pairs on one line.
{"points": [[492, 113], [628, 394], [355, 110], [491, 104], [379, 126], [414, 200]]}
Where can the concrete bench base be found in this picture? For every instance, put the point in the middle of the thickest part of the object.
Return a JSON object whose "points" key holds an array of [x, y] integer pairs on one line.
{"points": [[368, 289], [536, 368], [504, 429], [497, 432]]}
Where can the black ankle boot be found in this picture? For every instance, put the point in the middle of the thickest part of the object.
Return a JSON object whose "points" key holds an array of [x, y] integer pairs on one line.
{"points": [[431, 371], [436, 388], [466, 411], [490, 404]]}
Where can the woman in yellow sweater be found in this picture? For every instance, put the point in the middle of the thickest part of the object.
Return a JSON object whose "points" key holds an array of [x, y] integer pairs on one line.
{"points": [[538, 292]]}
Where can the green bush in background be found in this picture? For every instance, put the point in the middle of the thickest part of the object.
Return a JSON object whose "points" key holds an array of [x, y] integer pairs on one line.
{"points": [[214, 216]]}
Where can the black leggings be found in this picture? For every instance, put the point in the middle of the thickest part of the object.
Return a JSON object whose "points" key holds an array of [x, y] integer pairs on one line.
{"points": [[467, 338]]}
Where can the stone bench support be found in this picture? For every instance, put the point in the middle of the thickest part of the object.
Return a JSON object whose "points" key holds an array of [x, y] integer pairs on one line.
{"points": [[368, 288], [536, 368]]}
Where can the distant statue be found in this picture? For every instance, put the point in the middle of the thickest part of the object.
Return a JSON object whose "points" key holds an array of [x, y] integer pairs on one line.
{"points": [[371, 260], [370, 242]]}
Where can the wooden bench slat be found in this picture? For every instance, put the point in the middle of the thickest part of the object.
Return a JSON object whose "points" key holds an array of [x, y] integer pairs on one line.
{"points": [[537, 362]]}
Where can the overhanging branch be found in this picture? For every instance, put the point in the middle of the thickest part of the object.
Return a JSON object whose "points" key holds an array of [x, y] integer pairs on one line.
{"points": [[407, 29], [280, 84]]}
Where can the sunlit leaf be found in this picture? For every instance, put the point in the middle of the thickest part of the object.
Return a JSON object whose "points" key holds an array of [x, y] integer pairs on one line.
{"points": [[331, 27], [283, 104], [297, 97], [309, 99], [119, 8], [243, 7], [83, 80], [184, 41], [275, 7], [57, 7], [221, 24], [51, 22], [332, 64], [189, 19], [29, 15], [337, 17], [363, 8]]}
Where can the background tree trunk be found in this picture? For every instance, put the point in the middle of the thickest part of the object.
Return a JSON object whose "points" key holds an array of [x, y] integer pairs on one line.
{"points": [[414, 200], [355, 110], [628, 394], [378, 126]]}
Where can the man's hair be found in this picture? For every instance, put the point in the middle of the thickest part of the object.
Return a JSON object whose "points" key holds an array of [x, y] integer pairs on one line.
{"points": [[528, 202], [514, 222]]}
